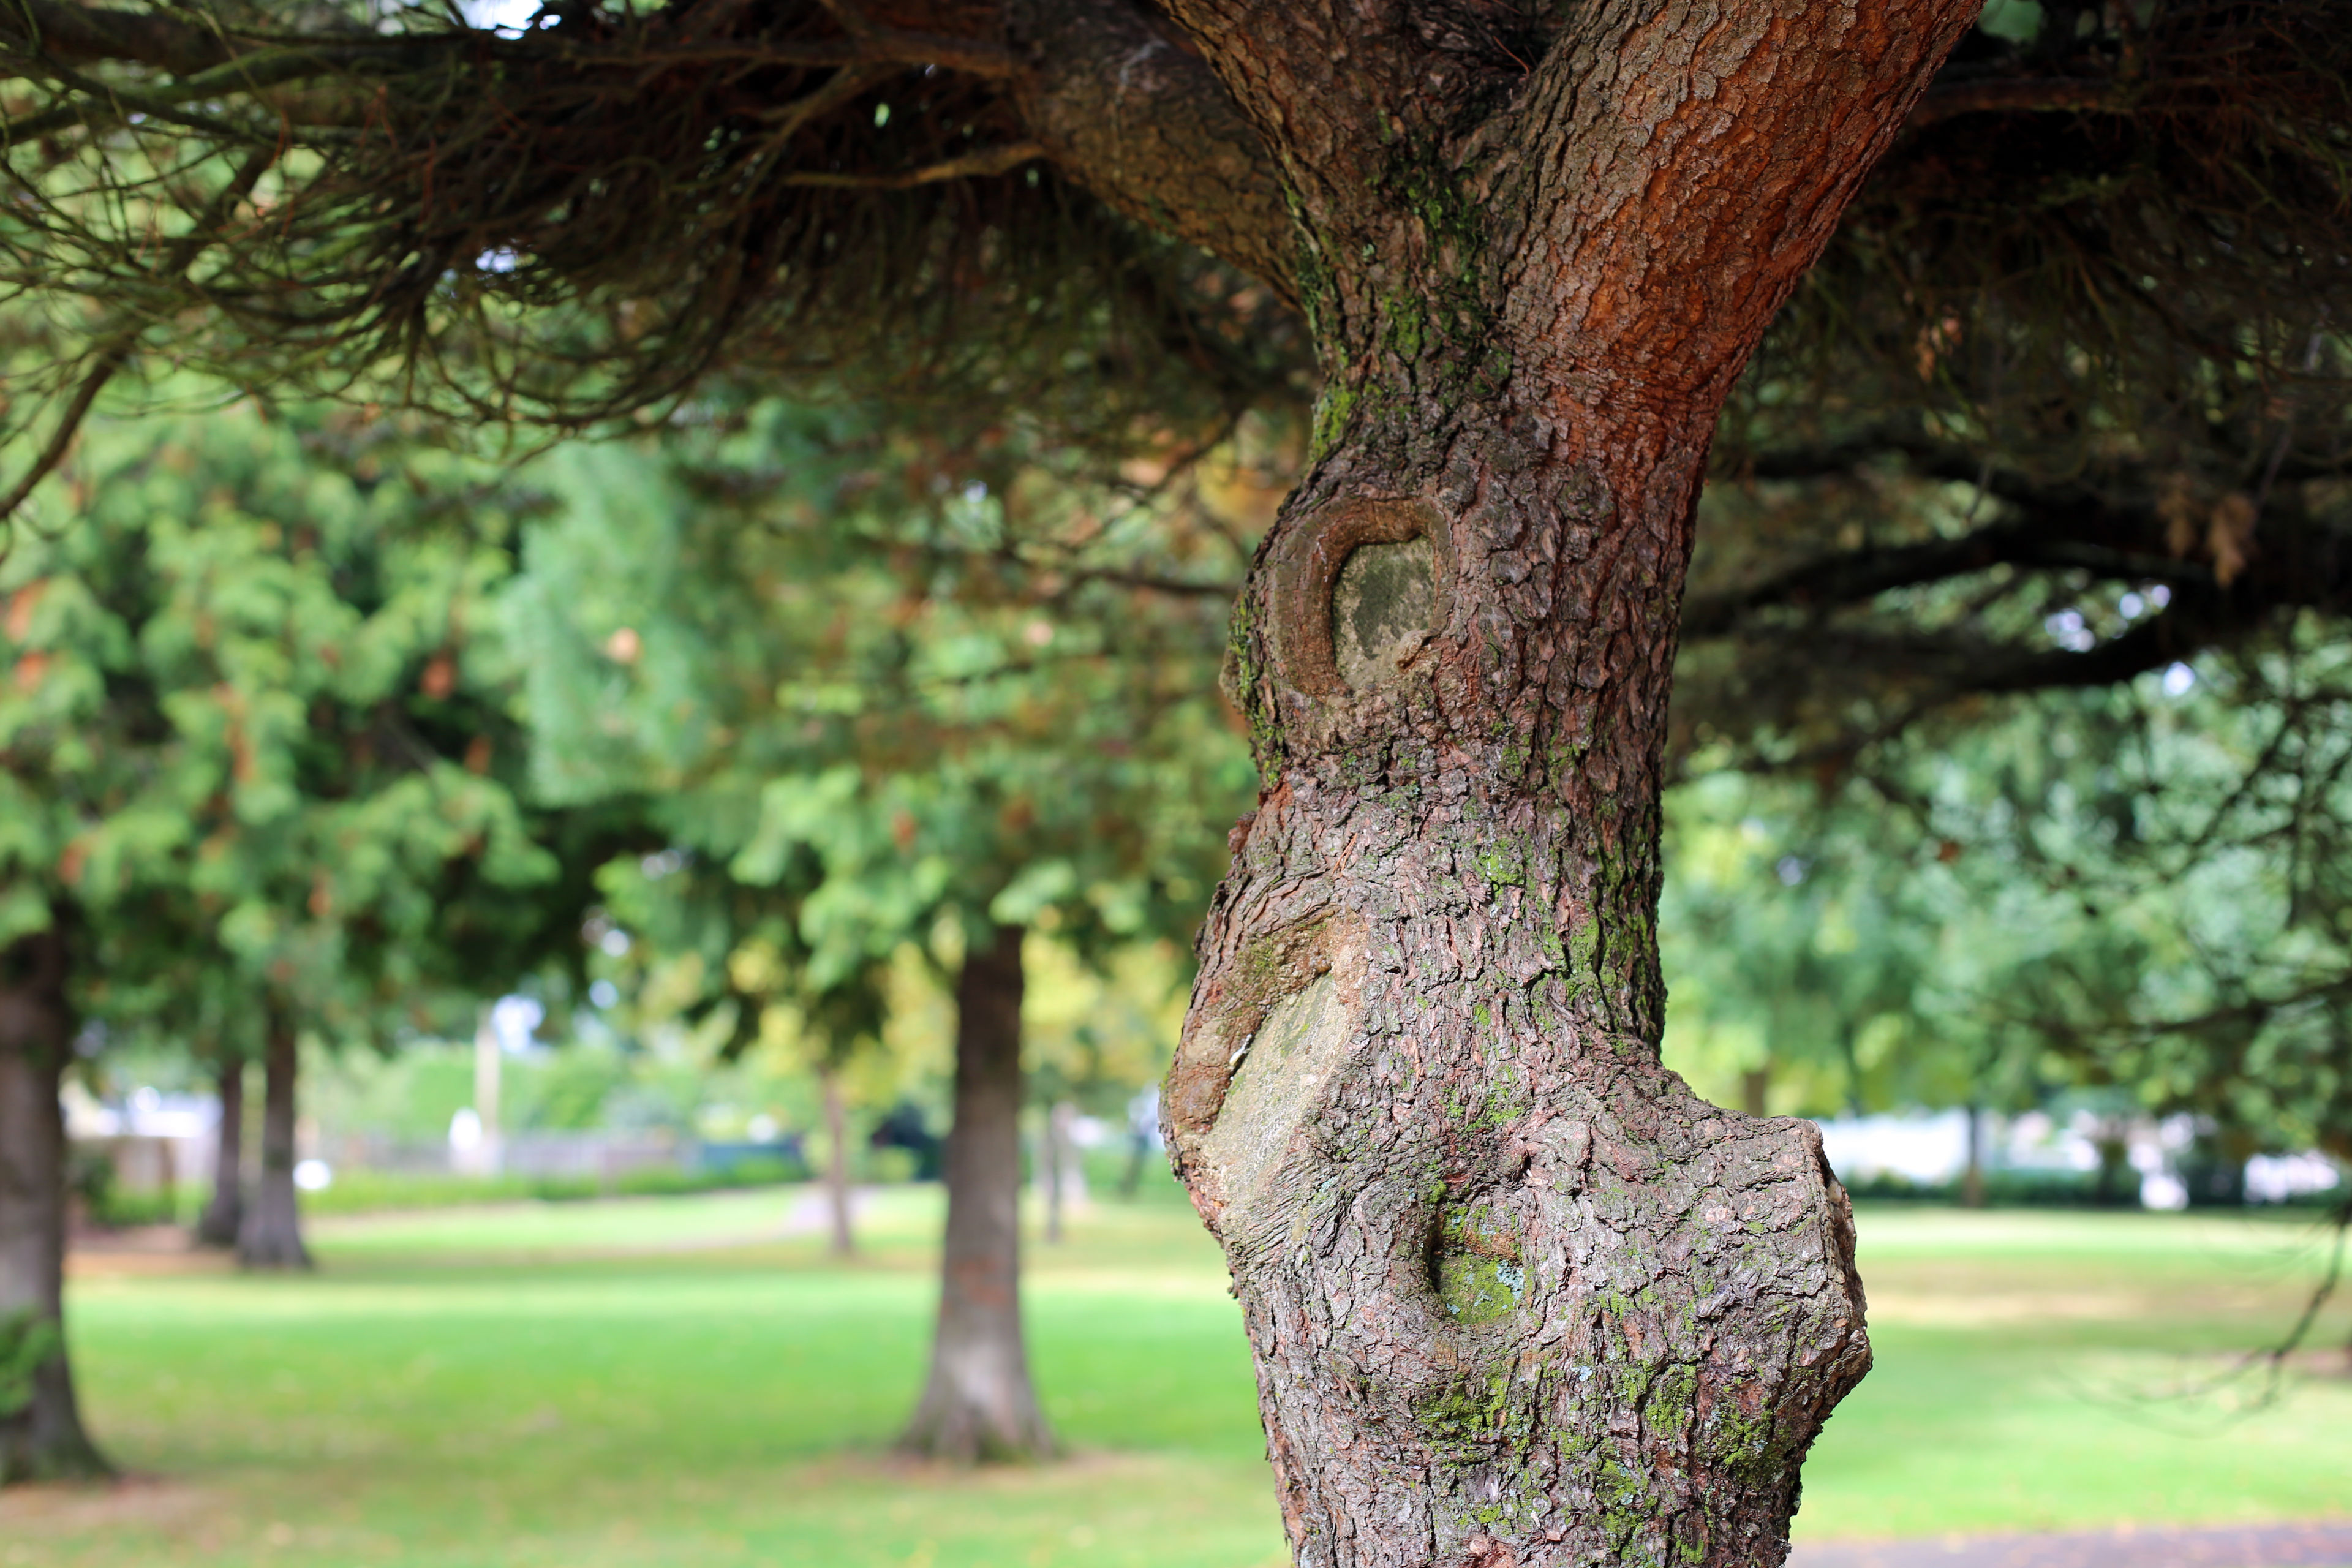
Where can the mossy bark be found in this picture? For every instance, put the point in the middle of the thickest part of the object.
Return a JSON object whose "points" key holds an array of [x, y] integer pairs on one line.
{"points": [[41, 1433], [1515, 1295], [979, 1403], [271, 1234]]}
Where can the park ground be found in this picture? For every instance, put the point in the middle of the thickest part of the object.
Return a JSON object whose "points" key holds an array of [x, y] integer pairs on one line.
{"points": [[686, 1382]]}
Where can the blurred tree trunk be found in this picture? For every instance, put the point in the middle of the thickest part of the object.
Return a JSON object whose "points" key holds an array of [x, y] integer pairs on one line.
{"points": [[979, 1405], [1972, 1179], [271, 1236], [1130, 1180], [41, 1433], [837, 1162], [223, 1214], [1138, 1143], [1057, 1165], [2115, 1184]]}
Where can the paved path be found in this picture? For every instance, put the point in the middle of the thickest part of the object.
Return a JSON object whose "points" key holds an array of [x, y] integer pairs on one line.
{"points": [[2308, 1545]]}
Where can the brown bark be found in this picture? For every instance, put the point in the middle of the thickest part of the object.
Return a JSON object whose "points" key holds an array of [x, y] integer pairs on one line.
{"points": [[837, 1164], [979, 1405], [224, 1213], [1516, 1296], [271, 1235], [41, 1435]]}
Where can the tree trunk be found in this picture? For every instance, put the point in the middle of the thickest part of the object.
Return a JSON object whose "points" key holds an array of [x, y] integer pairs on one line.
{"points": [[489, 1064], [1130, 1179], [1972, 1177], [979, 1405], [41, 1435], [836, 1163], [271, 1236], [1515, 1294], [1142, 1114], [223, 1214], [2117, 1183], [1053, 1169]]}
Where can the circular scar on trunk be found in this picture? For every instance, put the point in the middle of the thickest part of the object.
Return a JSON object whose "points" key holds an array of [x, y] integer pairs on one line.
{"points": [[1381, 610], [1358, 589]]}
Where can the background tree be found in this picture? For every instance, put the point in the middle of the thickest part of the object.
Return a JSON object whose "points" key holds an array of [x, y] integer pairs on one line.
{"points": [[728, 954], [41, 1433], [1095, 1035], [913, 693], [336, 764], [238, 744]]}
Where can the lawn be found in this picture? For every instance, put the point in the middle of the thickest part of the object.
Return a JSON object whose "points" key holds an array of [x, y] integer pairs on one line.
{"points": [[684, 1382]]}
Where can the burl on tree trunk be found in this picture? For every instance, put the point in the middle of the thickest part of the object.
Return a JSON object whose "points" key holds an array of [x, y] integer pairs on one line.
{"points": [[271, 1235], [1515, 1295], [41, 1435], [979, 1403]]}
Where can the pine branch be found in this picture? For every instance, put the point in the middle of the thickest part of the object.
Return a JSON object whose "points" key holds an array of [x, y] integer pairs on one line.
{"points": [[116, 350], [2049, 95], [988, 161]]}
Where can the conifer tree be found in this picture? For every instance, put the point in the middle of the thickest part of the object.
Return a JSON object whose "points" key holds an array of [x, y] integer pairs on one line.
{"points": [[252, 783]]}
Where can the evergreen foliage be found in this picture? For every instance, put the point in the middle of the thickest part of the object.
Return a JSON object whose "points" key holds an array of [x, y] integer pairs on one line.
{"points": [[257, 732], [2141, 889], [870, 684]]}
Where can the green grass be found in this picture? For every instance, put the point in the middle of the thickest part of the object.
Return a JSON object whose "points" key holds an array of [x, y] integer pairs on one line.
{"points": [[684, 1382], [2041, 1371]]}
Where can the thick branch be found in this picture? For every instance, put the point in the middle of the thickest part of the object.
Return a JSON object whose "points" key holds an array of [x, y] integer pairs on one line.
{"points": [[987, 161], [85, 34], [1111, 95], [1856, 577], [2292, 560], [2047, 95], [1130, 110], [1679, 146]]}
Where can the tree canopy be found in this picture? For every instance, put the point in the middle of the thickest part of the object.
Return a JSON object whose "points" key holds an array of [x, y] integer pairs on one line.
{"points": [[253, 728], [2074, 332]]}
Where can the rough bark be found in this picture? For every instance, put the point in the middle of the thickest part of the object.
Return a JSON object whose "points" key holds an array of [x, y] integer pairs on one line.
{"points": [[224, 1213], [837, 1164], [979, 1405], [41, 1435], [271, 1236], [1515, 1294]]}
